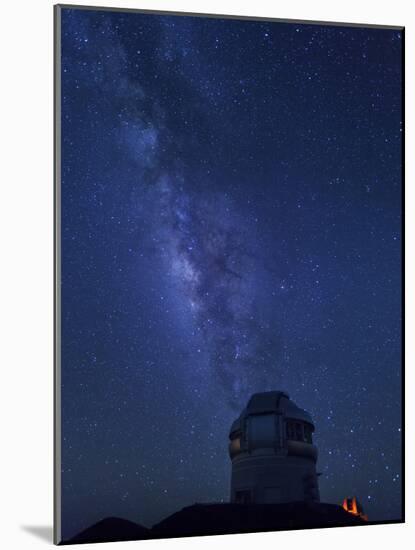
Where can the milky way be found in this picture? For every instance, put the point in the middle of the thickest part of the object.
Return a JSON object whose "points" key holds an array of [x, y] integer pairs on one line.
{"points": [[209, 252], [208, 247], [231, 223]]}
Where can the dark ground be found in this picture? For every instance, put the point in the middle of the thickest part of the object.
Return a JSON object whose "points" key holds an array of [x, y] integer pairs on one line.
{"points": [[216, 519]]}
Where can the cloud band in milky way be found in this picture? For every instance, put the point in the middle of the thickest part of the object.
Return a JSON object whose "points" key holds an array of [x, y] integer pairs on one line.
{"points": [[217, 271], [211, 250]]}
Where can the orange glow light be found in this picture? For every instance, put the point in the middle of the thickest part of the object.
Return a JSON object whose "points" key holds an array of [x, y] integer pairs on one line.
{"points": [[352, 506]]}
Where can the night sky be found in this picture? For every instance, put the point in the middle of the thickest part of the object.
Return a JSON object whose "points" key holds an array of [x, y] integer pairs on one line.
{"points": [[231, 223]]}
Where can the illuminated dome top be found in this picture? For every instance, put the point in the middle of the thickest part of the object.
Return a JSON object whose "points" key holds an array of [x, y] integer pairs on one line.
{"points": [[277, 402], [272, 421]]}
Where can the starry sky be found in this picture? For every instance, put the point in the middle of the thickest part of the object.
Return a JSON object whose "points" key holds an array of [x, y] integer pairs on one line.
{"points": [[231, 223]]}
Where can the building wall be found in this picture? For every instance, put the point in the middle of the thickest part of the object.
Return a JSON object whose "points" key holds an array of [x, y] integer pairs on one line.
{"points": [[273, 479]]}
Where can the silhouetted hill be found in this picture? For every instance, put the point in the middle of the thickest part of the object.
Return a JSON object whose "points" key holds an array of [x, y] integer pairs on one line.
{"points": [[207, 519], [110, 530], [217, 519]]}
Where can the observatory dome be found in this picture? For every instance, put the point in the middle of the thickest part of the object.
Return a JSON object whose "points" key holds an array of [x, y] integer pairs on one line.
{"points": [[272, 451]]}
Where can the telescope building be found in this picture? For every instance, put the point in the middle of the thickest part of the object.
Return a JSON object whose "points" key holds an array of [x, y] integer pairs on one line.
{"points": [[272, 452]]}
